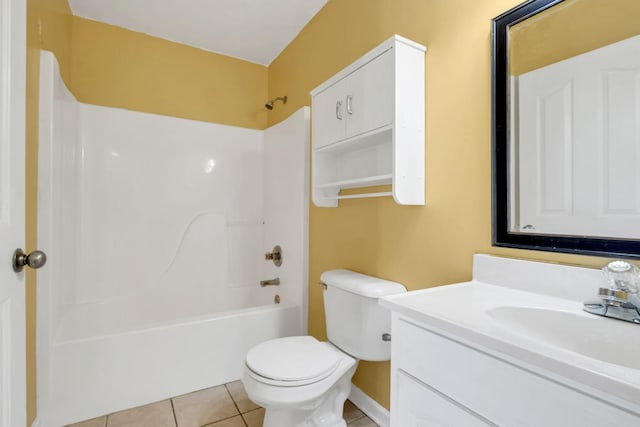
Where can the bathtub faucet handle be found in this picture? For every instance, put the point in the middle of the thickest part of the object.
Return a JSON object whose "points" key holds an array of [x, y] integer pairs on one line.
{"points": [[275, 255]]}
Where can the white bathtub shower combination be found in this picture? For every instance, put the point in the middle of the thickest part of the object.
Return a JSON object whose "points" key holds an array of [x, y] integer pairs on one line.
{"points": [[156, 229]]}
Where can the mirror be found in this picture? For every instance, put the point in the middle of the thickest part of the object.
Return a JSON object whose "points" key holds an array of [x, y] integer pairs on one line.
{"points": [[566, 127]]}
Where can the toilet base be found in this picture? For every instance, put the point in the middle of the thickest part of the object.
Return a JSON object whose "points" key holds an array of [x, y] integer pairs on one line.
{"points": [[325, 411], [327, 414]]}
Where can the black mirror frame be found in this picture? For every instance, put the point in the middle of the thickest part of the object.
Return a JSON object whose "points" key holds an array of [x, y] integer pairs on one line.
{"points": [[500, 234]]}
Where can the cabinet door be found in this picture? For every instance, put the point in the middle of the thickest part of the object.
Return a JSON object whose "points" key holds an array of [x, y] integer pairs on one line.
{"points": [[417, 405], [369, 101], [329, 115]]}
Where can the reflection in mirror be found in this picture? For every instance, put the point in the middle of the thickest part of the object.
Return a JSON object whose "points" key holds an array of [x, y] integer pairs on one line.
{"points": [[574, 94], [567, 126]]}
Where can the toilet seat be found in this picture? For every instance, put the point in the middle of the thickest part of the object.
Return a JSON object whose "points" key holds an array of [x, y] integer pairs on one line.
{"points": [[292, 361]]}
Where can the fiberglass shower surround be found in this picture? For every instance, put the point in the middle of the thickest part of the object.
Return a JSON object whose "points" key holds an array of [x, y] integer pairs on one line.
{"points": [[156, 228]]}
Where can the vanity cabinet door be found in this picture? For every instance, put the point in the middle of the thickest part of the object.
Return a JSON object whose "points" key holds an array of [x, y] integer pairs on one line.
{"points": [[417, 405]]}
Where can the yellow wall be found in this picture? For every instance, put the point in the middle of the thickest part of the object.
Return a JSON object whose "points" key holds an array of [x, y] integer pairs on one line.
{"points": [[116, 67], [417, 246], [48, 27], [571, 28]]}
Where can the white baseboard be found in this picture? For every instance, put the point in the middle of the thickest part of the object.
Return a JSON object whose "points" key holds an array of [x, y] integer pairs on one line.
{"points": [[370, 407]]}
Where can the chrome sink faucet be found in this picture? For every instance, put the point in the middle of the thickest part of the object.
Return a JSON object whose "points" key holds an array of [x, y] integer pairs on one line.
{"points": [[620, 300]]}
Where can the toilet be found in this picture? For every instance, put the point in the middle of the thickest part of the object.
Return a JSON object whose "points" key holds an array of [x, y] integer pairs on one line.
{"points": [[302, 382]]}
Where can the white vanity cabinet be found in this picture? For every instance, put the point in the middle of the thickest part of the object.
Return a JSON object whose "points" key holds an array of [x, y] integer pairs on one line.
{"points": [[513, 347], [368, 126], [437, 380]]}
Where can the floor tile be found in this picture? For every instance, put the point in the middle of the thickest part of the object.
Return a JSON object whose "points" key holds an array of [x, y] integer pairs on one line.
{"points": [[204, 407], [254, 418], [96, 422], [351, 412], [157, 414], [362, 422], [213, 407], [229, 422], [236, 389]]}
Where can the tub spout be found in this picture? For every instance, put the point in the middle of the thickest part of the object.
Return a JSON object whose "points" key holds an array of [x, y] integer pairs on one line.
{"points": [[272, 282]]}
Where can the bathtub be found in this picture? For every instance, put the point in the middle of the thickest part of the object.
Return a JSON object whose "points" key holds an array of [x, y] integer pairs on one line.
{"points": [[97, 375], [156, 229]]}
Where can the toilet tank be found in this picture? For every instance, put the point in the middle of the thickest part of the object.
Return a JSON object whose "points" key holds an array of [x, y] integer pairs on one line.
{"points": [[355, 321]]}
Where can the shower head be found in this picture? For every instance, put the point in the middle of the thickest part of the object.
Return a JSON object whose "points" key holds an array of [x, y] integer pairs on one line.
{"points": [[269, 104]]}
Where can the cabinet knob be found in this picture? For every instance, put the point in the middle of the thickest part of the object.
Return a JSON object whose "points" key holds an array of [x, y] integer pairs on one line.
{"points": [[339, 110], [349, 99]]}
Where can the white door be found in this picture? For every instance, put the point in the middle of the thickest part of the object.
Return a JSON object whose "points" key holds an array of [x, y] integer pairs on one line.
{"points": [[12, 175], [579, 144]]}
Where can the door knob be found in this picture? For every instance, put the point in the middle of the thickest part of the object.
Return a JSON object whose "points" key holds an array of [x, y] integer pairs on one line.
{"points": [[35, 259]]}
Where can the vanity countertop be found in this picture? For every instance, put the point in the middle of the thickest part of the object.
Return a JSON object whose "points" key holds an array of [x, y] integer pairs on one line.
{"points": [[542, 332]]}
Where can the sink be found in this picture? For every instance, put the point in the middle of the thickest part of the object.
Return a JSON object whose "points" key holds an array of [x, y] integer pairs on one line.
{"points": [[608, 340]]}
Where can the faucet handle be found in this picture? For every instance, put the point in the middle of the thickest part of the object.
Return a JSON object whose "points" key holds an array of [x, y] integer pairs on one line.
{"points": [[613, 295], [622, 275], [275, 255]]}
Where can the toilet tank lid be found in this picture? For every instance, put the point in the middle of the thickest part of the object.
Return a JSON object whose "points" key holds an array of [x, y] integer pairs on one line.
{"points": [[361, 284]]}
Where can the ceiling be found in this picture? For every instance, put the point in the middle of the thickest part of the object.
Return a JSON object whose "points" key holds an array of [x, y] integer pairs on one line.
{"points": [[253, 30]]}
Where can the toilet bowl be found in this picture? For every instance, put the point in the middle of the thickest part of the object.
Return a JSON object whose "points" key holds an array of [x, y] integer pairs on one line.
{"points": [[302, 382]]}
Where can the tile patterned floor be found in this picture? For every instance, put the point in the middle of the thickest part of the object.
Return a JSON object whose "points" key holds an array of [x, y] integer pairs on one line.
{"points": [[222, 406]]}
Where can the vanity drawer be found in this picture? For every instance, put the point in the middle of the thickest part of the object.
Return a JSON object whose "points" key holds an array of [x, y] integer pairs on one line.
{"points": [[497, 390], [419, 405]]}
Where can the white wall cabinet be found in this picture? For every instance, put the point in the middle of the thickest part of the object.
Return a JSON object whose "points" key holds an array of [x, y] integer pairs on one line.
{"points": [[368, 126], [437, 380]]}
